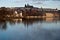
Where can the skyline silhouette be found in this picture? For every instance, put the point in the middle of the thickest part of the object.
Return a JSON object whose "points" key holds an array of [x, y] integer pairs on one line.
{"points": [[37, 3]]}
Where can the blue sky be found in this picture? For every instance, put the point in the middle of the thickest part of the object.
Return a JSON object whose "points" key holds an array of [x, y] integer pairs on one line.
{"points": [[35, 3]]}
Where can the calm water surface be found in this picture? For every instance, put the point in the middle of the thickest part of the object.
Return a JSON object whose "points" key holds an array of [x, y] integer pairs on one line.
{"points": [[30, 29]]}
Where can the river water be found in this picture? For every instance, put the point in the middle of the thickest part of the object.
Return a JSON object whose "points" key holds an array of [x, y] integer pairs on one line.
{"points": [[30, 29]]}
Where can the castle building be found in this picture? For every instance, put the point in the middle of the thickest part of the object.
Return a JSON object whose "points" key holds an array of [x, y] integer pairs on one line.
{"points": [[28, 6]]}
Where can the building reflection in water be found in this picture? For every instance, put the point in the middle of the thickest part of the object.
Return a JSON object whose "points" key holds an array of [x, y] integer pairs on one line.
{"points": [[26, 22], [14, 21]]}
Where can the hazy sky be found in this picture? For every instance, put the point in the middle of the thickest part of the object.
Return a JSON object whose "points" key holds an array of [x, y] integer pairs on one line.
{"points": [[35, 3]]}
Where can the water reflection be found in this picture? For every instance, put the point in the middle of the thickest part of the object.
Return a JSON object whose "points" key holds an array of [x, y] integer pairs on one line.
{"points": [[27, 22], [14, 21], [30, 29], [3, 25]]}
